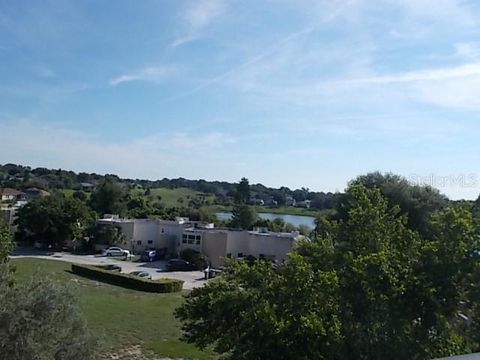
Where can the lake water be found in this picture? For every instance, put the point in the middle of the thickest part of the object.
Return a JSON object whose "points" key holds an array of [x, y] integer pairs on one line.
{"points": [[292, 219]]}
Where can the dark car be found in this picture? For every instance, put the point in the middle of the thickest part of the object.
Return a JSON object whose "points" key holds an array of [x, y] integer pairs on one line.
{"points": [[111, 267], [180, 265], [154, 254], [149, 255]]}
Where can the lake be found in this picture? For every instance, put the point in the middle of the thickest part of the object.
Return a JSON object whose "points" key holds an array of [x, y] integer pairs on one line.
{"points": [[292, 219]]}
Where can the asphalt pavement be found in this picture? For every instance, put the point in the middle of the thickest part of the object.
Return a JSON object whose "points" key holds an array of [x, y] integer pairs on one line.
{"points": [[192, 279]]}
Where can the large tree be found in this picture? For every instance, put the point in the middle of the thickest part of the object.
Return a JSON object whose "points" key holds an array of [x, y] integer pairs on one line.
{"points": [[418, 201], [242, 194], [39, 319], [6, 240], [109, 198], [55, 219], [243, 215], [366, 287]]}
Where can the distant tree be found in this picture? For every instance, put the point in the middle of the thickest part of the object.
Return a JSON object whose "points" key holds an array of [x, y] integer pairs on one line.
{"points": [[242, 195], [55, 219], [140, 207], [109, 198], [40, 319], [80, 195], [83, 177], [418, 202], [109, 235], [243, 217]]}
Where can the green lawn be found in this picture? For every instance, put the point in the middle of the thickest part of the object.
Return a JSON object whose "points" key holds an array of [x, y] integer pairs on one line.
{"points": [[170, 197], [70, 192], [124, 320]]}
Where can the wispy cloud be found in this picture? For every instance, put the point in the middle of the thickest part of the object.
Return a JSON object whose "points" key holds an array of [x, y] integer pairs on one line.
{"points": [[151, 74], [44, 72], [164, 154], [197, 17], [436, 74], [468, 50]]}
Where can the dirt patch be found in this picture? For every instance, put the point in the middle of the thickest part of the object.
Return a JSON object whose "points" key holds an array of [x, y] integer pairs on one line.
{"points": [[131, 353]]}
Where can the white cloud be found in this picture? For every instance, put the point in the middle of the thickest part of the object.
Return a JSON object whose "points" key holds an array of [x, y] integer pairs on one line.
{"points": [[44, 72], [150, 74], [456, 12], [190, 155], [203, 12], [436, 74], [197, 17], [467, 50]]}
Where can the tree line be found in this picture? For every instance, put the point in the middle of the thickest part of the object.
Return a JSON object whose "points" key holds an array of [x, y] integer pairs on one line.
{"points": [[21, 177]]}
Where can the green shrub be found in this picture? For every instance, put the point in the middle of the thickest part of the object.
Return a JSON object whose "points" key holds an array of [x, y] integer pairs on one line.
{"points": [[128, 281]]}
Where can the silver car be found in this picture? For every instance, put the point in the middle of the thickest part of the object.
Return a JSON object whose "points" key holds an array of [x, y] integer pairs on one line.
{"points": [[142, 274], [115, 251]]}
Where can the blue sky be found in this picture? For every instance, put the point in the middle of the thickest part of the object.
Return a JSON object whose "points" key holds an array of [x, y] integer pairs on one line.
{"points": [[285, 92]]}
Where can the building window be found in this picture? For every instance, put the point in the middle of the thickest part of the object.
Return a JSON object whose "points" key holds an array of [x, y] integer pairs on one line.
{"points": [[150, 241], [197, 242], [163, 230], [184, 241], [240, 255], [139, 242], [261, 256], [229, 255], [191, 239], [198, 237]]}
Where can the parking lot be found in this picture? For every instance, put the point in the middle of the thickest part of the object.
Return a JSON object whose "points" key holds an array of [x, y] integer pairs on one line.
{"points": [[191, 279]]}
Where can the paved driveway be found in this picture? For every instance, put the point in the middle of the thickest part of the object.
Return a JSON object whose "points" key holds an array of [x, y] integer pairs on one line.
{"points": [[191, 279]]}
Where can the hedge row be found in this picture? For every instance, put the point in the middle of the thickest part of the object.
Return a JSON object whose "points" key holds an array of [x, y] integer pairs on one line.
{"points": [[128, 281]]}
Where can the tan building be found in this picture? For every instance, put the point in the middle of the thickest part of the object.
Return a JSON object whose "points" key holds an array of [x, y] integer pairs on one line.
{"points": [[219, 244], [216, 244], [145, 234]]}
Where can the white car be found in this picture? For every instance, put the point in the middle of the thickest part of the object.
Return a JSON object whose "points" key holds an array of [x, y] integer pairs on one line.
{"points": [[115, 251]]}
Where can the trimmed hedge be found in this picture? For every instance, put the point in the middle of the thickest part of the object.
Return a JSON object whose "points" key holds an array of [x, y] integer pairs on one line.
{"points": [[128, 281]]}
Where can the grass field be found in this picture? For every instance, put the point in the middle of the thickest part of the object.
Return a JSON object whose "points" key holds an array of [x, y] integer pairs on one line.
{"points": [[70, 192], [129, 324], [182, 196], [171, 197]]}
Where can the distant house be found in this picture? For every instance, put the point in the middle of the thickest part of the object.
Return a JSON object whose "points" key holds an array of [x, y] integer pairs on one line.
{"points": [[257, 202], [34, 193], [11, 195], [305, 204], [290, 201], [87, 187]]}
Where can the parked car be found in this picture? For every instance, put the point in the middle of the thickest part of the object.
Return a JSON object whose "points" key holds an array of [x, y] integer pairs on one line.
{"points": [[142, 274], [154, 254], [111, 267], [115, 251], [179, 265], [149, 255]]}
